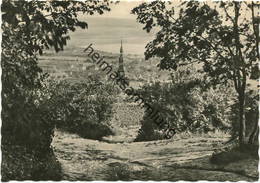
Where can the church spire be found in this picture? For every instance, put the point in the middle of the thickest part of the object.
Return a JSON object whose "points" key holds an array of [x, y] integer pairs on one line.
{"points": [[121, 48], [121, 71]]}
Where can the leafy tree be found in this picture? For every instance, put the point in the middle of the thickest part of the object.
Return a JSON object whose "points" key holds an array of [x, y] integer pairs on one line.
{"points": [[223, 36], [28, 28]]}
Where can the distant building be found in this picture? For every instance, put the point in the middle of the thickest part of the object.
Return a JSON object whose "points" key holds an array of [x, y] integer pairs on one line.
{"points": [[121, 71]]}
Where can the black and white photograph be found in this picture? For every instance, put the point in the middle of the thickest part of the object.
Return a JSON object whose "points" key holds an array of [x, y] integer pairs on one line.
{"points": [[130, 90]]}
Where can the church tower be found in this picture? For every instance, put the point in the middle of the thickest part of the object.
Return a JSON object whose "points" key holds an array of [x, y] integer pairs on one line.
{"points": [[121, 71]]}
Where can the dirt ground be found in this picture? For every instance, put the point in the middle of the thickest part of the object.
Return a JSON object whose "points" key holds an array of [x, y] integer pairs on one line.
{"points": [[172, 160]]}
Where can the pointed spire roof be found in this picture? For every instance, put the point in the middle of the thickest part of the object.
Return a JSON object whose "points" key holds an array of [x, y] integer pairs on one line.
{"points": [[121, 48]]}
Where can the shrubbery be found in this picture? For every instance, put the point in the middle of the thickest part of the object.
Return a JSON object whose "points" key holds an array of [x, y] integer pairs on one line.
{"points": [[149, 131], [28, 122], [20, 163], [85, 108], [28, 117], [187, 105]]}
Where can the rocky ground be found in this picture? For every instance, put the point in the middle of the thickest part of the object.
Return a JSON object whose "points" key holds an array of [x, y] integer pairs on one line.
{"points": [[172, 160]]}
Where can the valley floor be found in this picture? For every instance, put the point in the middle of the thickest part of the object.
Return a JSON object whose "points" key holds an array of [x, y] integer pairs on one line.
{"points": [[172, 160]]}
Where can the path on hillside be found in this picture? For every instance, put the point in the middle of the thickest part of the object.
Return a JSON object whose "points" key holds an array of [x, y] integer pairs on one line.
{"points": [[185, 159]]}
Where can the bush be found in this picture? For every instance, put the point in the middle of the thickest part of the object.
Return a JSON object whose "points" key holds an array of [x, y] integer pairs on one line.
{"points": [[28, 122], [28, 118], [186, 105], [148, 132], [20, 163], [233, 154], [227, 157], [85, 108]]}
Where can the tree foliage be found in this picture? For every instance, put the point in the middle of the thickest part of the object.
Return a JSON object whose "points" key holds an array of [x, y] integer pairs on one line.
{"points": [[223, 36], [28, 28]]}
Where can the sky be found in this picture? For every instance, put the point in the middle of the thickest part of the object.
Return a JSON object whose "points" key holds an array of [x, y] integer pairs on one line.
{"points": [[123, 9], [105, 31]]}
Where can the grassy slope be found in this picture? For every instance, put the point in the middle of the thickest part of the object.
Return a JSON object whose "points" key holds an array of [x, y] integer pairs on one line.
{"points": [[172, 160]]}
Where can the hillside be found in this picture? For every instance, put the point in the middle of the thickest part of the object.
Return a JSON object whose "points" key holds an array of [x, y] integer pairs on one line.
{"points": [[71, 64]]}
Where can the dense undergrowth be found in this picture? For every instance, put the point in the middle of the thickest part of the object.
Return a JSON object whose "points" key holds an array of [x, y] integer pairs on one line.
{"points": [[187, 104], [28, 123], [28, 127], [85, 108], [20, 163]]}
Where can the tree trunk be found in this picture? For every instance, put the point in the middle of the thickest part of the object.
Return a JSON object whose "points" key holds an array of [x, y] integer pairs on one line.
{"points": [[242, 123], [254, 133], [241, 80]]}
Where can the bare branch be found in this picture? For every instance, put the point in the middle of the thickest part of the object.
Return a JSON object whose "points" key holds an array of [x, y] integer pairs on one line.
{"points": [[232, 20]]}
